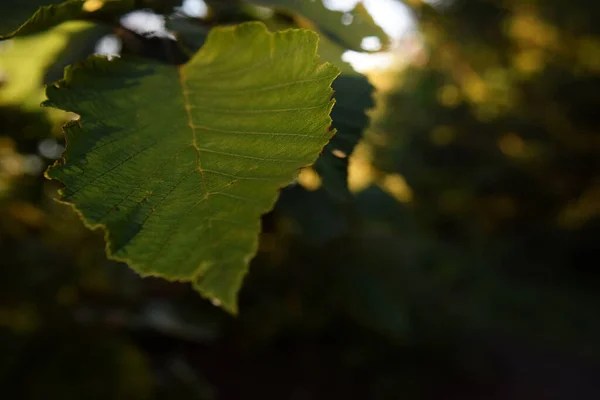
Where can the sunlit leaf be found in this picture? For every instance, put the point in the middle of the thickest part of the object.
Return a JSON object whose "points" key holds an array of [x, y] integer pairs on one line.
{"points": [[353, 94], [179, 163]]}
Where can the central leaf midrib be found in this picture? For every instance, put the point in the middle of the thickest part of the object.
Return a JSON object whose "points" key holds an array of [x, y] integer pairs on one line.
{"points": [[190, 121]]}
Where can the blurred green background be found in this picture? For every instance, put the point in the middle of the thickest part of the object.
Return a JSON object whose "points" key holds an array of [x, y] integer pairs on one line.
{"points": [[464, 265]]}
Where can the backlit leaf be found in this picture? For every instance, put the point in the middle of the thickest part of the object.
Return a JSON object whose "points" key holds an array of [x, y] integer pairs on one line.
{"points": [[179, 163]]}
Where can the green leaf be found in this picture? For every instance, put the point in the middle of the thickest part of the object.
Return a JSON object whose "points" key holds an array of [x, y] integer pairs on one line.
{"points": [[331, 23], [179, 163], [353, 93]]}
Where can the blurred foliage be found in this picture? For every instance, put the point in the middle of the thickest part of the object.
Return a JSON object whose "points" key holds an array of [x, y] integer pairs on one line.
{"points": [[465, 267], [106, 11], [25, 75]]}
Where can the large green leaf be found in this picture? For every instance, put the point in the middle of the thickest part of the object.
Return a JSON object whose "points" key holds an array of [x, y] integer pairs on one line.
{"points": [[179, 163], [348, 29]]}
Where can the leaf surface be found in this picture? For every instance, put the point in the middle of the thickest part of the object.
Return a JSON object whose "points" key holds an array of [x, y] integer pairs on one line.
{"points": [[179, 163], [353, 93]]}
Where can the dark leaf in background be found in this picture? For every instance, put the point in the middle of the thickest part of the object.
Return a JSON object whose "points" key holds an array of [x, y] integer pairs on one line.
{"points": [[49, 16], [353, 94], [13, 13], [346, 29], [109, 11]]}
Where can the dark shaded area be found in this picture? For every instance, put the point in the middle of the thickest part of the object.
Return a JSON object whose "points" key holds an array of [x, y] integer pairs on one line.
{"points": [[14, 12], [478, 279]]}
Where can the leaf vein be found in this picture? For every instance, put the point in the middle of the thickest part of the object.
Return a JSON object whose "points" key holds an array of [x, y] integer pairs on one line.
{"points": [[249, 157], [256, 111], [255, 89], [242, 177], [208, 128], [121, 163]]}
